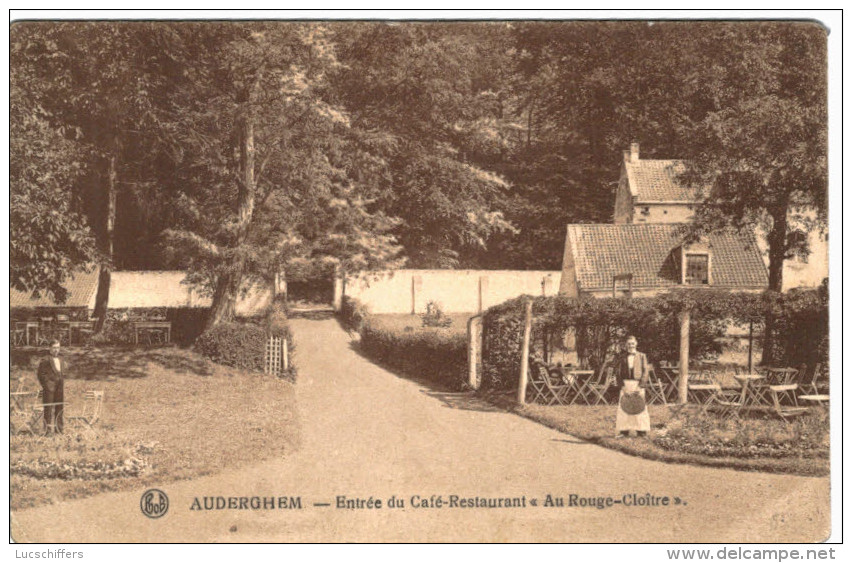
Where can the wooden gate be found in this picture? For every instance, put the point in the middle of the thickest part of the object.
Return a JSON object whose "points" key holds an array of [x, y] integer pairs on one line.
{"points": [[277, 361]]}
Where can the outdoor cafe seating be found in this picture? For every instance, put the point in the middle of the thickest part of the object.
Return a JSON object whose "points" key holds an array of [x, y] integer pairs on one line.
{"points": [[40, 331]]}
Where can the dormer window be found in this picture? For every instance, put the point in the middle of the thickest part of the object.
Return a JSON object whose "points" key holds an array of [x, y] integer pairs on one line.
{"points": [[697, 269]]}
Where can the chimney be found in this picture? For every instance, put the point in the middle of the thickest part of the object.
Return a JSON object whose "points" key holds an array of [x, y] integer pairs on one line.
{"points": [[634, 151]]}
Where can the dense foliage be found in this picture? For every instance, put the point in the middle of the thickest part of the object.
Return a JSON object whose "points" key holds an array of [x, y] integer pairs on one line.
{"points": [[600, 326], [801, 318], [236, 150]]}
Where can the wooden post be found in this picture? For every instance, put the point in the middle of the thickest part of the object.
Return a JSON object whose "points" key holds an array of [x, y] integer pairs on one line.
{"points": [[474, 349], [416, 287], [285, 354], [683, 379], [525, 355], [413, 295], [750, 343], [482, 304]]}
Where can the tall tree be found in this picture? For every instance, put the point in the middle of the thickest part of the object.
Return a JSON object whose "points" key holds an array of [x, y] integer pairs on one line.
{"points": [[424, 92], [95, 84], [49, 237], [259, 154], [761, 154]]}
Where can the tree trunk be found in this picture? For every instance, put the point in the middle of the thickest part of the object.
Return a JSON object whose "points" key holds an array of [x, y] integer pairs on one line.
{"points": [[105, 275], [224, 300], [777, 253], [228, 284]]}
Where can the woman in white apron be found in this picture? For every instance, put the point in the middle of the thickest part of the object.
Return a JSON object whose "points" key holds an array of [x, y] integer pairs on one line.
{"points": [[631, 377]]}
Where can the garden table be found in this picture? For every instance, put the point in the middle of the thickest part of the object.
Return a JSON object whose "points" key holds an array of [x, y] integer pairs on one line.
{"points": [[152, 327], [17, 399], [820, 400], [753, 390], [669, 379], [580, 380], [27, 327]]}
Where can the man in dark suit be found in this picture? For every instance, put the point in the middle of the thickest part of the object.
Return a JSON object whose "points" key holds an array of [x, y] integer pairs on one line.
{"points": [[51, 375]]}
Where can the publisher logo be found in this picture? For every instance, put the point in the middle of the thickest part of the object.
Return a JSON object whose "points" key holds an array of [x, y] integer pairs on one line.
{"points": [[154, 503]]}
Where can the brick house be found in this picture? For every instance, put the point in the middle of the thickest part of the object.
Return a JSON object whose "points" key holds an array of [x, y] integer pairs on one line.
{"points": [[643, 253], [649, 192]]}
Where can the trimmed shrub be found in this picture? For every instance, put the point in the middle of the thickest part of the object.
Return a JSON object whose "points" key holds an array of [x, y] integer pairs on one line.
{"points": [[434, 316], [435, 354], [239, 345], [353, 314]]}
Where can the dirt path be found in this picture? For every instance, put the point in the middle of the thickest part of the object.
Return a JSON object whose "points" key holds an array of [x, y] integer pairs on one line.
{"points": [[368, 433]]}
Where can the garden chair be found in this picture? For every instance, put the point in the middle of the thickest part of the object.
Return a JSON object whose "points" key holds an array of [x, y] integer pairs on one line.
{"points": [[703, 390], [37, 418], [536, 381], [779, 394], [596, 390], [728, 403], [656, 389], [815, 387], [549, 391], [817, 383], [90, 412]]}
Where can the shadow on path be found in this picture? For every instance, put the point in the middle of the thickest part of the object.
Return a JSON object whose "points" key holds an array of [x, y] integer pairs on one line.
{"points": [[465, 400], [452, 398]]}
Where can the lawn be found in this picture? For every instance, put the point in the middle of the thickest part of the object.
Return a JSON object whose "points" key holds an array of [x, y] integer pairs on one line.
{"points": [[401, 322], [684, 436], [169, 414]]}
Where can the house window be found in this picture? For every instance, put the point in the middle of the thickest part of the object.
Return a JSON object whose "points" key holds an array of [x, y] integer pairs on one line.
{"points": [[697, 269]]}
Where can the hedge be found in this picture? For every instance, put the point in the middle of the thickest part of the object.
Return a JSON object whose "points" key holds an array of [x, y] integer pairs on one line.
{"points": [[601, 324], [352, 313], [243, 344], [801, 328], [239, 345], [436, 354]]}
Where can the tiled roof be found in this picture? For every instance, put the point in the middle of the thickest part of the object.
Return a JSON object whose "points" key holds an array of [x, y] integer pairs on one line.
{"points": [[81, 288], [646, 251], [656, 180]]}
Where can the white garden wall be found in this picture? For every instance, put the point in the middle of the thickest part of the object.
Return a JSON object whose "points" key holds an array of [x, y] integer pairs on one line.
{"points": [[457, 291]]}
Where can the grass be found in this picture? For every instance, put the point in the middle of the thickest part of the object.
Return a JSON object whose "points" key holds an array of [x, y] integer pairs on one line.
{"points": [[169, 414], [762, 444], [403, 321]]}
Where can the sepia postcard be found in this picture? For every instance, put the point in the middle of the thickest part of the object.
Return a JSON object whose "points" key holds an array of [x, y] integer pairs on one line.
{"points": [[421, 281]]}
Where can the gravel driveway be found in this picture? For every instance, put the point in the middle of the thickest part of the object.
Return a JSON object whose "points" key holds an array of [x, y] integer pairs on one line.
{"points": [[464, 471]]}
